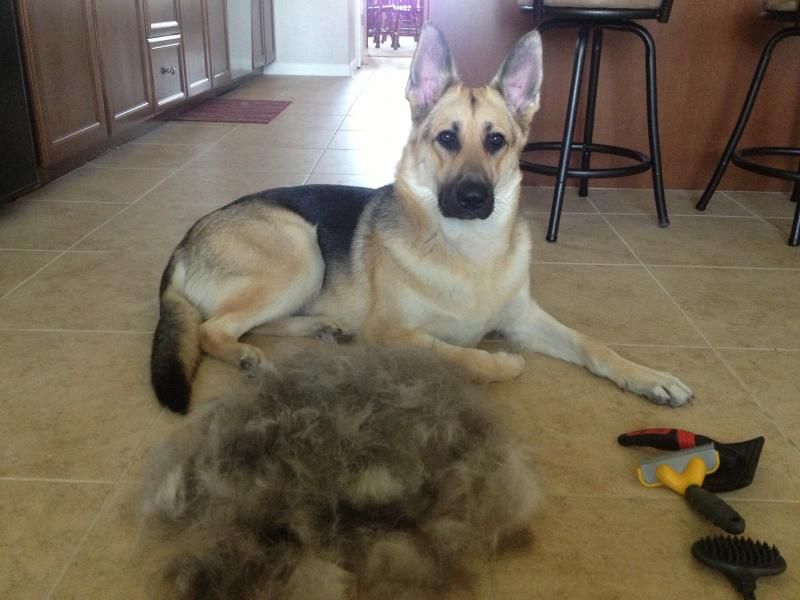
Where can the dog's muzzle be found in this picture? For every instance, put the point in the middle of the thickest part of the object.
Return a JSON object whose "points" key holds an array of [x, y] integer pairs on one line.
{"points": [[467, 199]]}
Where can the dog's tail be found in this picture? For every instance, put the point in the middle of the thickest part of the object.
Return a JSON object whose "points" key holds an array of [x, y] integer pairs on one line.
{"points": [[176, 346]]}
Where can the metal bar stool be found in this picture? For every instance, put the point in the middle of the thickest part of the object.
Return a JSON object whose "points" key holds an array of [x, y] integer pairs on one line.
{"points": [[783, 10], [591, 18]]}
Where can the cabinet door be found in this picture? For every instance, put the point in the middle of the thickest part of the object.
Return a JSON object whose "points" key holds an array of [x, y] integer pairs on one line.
{"points": [[257, 26], [218, 41], [197, 58], [123, 54], [162, 18], [64, 74], [269, 32], [165, 56]]}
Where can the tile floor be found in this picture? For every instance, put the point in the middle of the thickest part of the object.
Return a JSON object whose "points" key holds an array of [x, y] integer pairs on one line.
{"points": [[713, 298]]}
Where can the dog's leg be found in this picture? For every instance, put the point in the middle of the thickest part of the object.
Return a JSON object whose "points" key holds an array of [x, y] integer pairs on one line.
{"points": [[250, 305], [479, 365], [535, 330], [301, 326]]}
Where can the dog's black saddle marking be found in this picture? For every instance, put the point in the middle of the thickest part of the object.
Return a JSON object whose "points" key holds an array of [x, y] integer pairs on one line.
{"points": [[333, 209]]}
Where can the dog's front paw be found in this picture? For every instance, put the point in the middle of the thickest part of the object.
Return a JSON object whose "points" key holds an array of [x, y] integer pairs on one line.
{"points": [[495, 367], [660, 388]]}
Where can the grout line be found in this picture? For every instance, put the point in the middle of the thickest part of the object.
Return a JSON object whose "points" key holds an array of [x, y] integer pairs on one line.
{"points": [[114, 216], [104, 506], [55, 480], [660, 266], [717, 353], [103, 331]]}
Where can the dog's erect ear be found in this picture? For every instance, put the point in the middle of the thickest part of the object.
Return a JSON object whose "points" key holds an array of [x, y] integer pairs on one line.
{"points": [[520, 77], [432, 72]]}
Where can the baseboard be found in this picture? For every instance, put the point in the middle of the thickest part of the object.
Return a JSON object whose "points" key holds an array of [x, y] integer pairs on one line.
{"points": [[324, 69]]}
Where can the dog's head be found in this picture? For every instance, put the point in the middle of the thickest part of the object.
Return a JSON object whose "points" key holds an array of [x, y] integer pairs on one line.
{"points": [[463, 152]]}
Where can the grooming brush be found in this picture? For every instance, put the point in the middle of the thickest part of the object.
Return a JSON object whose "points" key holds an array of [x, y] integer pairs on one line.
{"points": [[741, 560]]}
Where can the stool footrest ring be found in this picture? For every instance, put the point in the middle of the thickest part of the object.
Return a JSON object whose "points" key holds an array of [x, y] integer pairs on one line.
{"points": [[740, 161], [643, 162]]}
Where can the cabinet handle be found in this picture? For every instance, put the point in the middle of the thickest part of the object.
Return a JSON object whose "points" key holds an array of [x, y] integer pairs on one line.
{"points": [[170, 70]]}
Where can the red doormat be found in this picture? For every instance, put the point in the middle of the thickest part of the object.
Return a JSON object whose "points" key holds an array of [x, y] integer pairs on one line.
{"points": [[224, 110]]}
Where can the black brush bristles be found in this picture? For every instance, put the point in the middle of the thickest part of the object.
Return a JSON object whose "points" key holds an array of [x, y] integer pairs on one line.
{"points": [[742, 560]]}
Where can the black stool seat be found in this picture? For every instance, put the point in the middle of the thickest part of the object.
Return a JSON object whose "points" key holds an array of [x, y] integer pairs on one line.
{"points": [[784, 10], [592, 18]]}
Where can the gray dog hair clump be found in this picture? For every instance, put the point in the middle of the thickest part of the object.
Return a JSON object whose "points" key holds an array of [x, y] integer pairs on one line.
{"points": [[351, 472]]}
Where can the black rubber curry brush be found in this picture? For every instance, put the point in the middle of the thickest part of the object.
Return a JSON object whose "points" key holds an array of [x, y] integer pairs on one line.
{"points": [[741, 560]]}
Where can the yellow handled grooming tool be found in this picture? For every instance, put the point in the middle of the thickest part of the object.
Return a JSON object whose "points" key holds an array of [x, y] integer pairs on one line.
{"points": [[684, 472]]}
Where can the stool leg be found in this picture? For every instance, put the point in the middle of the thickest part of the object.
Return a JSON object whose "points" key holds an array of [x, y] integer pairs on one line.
{"points": [[569, 130], [796, 190], [652, 125], [744, 116], [794, 234], [591, 103]]}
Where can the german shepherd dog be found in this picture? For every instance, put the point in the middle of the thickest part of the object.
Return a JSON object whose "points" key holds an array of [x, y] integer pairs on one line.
{"points": [[436, 260]]}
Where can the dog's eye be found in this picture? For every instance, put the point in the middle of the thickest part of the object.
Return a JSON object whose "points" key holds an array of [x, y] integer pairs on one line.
{"points": [[448, 139], [495, 141]]}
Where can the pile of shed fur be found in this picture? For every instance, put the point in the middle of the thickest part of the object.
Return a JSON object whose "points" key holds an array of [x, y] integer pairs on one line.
{"points": [[351, 473]]}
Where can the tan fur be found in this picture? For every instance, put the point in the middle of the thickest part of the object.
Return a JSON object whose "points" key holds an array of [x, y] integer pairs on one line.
{"points": [[414, 276]]}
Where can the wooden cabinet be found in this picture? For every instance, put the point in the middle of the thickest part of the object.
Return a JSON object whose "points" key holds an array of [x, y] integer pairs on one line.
{"points": [[263, 40], [162, 18], [125, 68], [218, 42], [168, 81], [269, 32], [196, 48], [64, 76], [257, 26]]}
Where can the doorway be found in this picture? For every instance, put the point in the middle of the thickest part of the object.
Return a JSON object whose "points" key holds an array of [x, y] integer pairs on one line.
{"points": [[392, 26]]}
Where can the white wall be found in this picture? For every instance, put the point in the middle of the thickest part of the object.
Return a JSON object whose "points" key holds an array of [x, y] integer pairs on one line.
{"points": [[314, 37]]}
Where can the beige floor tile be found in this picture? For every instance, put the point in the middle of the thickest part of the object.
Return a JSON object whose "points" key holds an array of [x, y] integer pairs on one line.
{"points": [[540, 200], [707, 241], [625, 549], [146, 156], [374, 140], [354, 162], [180, 132], [399, 124], [101, 185], [119, 559], [613, 304], [259, 158], [679, 202], [88, 290], [19, 265], [765, 204], [84, 412], [773, 377], [307, 121], [373, 180], [33, 225], [165, 224], [572, 420], [277, 136], [747, 308], [42, 524], [214, 186], [317, 104], [581, 239], [784, 226]]}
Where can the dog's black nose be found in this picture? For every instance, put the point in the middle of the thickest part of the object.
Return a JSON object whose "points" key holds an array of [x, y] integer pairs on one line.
{"points": [[467, 199], [472, 195]]}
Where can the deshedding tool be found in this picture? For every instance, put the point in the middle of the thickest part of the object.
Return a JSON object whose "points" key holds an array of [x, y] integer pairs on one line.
{"points": [[684, 472]]}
